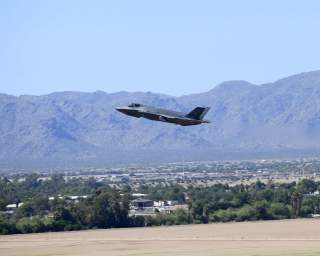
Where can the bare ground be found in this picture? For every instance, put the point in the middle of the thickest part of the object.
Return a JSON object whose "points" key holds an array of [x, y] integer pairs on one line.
{"points": [[265, 238]]}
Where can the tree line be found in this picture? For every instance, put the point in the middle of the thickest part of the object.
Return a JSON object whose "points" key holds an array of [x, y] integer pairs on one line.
{"points": [[107, 207]]}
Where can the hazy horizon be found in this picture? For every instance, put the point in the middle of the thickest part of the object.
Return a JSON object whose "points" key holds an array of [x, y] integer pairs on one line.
{"points": [[155, 92]]}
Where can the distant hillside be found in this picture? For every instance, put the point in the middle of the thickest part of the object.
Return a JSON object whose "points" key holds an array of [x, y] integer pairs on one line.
{"points": [[75, 128]]}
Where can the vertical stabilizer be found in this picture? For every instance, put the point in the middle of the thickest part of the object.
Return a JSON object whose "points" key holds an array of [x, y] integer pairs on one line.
{"points": [[198, 113]]}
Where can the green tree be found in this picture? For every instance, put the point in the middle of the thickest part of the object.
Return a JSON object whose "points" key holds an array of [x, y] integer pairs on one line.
{"points": [[7, 226], [182, 216], [296, 202], [279, 211], [245, 213], [307, 186], [30, 225], [261, 210]]}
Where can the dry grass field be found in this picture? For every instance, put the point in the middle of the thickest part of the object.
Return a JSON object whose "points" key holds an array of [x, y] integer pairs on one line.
{"points": [[288, 237]]}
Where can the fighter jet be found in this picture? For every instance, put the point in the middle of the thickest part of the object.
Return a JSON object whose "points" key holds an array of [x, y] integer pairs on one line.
{"points": [[158, 114]]}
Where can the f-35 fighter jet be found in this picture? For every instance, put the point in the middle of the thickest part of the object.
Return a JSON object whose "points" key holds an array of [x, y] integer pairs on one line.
{"points": [[157, 114]]}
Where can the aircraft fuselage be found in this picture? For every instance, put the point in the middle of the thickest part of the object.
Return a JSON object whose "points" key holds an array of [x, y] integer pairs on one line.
{"points": [[159, 114]]}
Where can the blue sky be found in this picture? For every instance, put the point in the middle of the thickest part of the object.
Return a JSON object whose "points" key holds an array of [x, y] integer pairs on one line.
{"points": [[173, 47]]}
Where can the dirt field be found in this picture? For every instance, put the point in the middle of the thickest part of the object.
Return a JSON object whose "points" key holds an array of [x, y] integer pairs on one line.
{"points": [[290, 237]]}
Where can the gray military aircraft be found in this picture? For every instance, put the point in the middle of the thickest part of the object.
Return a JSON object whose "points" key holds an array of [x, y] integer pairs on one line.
{"points": [[158, 114]]}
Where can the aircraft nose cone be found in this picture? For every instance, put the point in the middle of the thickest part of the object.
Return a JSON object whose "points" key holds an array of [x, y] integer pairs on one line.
{"points": [[122, 110]]}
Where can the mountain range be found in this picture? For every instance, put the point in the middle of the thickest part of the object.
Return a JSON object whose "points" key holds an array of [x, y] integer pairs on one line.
{"points": [[279, 119]]}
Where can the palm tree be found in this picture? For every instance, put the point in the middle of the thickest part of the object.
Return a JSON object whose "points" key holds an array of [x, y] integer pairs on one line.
{"points": [[296, 202]]}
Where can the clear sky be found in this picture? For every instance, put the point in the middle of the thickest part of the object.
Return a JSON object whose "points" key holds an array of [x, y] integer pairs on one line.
{"points": [[173, 47]]}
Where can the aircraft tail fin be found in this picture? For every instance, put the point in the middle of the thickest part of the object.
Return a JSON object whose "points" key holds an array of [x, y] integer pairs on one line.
{"points": [[198, 113]]}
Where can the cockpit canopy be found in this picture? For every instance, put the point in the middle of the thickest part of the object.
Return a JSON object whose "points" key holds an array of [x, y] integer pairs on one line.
{"points": [[135, 105]]}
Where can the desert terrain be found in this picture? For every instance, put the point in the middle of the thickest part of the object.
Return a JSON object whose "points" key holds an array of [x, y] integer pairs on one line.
{"points": [[263, 238]]}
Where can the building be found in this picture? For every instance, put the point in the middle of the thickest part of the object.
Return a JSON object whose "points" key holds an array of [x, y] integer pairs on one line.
{"points": [[11, 208], [141, 203]]}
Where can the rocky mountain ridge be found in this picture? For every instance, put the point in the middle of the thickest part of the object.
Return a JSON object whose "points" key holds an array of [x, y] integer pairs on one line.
{"points": [[79, 128]]}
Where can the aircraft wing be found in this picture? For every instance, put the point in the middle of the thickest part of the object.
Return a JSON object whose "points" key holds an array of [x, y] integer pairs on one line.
{"points": [[167, 118]]}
